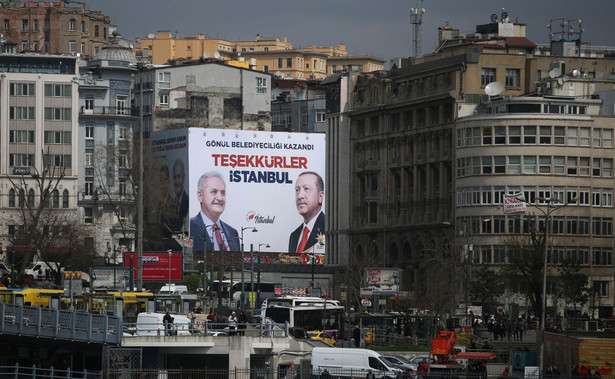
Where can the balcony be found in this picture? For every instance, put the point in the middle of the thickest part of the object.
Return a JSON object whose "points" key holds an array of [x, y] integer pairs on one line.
{"points": [[109, 111]]}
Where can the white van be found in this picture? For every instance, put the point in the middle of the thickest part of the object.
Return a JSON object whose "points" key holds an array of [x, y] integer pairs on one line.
{"points": [[174, 289], [351, 362], [152, 324], [36, 270]]}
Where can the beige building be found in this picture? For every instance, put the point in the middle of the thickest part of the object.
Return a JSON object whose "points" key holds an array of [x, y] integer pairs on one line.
{"points": [[273, 55], [53, 28]]}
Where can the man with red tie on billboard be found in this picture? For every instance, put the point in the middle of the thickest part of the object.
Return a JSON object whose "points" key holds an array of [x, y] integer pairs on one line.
{"points": [[219, 236], [309, 195]]}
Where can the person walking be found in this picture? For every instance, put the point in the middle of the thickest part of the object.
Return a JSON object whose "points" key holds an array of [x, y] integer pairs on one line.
{"points": [[168, 321], [243, 320]]}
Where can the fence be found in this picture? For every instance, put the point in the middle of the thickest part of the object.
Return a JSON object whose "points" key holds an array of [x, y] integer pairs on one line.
{"points": [[19, 372]]}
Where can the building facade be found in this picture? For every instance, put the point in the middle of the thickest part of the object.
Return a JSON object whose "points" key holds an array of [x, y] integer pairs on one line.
{"points": [[53, 28], [38, 139], [107, 159]]}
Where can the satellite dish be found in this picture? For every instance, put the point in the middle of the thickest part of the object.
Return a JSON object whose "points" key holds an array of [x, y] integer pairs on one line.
{"points": [[576, 73], [151, 36], [555, 73], [560, 81], [217, 55], [504, 16], [494, 88], [565, 78], [206, 54], [494, 17], [131, 46]]}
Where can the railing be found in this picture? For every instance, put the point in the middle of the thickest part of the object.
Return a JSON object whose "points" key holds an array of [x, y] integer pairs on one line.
{"points": [[109, 110], [61, 324], [18, 371], [206, 328]]}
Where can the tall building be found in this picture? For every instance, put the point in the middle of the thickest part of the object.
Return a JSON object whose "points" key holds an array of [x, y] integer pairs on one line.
{"points": [[433, 152], [38, 135], [53, 28], [107, 159]]}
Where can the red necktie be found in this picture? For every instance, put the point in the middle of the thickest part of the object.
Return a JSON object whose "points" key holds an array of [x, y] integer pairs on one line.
{"points": [[219, 238], [304, 239]]}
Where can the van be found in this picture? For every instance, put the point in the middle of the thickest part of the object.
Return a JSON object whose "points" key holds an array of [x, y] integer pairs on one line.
{"points": [[36, 270], [351, 362], [174, 289], [152, 324]]}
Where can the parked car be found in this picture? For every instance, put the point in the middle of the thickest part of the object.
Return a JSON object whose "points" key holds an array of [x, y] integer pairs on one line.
{"points": [[322, 336], [4, 270], [409, 369]]}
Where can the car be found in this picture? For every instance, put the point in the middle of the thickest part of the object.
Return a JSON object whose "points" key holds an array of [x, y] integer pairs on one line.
{"points": [[417, 360], [322, 336], [410, 369], [4, 270], [217, 333]]}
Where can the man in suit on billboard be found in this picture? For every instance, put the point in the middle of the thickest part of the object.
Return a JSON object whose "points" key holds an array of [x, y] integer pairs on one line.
{"points": [[309, 196], [180, 206], [211, 193]]}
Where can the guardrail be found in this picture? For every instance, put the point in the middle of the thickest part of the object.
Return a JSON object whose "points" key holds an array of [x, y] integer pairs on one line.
{"points": [[18, 371], [206, 328], [62, 324]]}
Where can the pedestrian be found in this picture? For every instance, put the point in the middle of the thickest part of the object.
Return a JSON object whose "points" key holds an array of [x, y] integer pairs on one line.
{"points": [[168, 321], [521, 326], [505, 373], [370, 375], [232, 323], [243, 320], [325, 374]]}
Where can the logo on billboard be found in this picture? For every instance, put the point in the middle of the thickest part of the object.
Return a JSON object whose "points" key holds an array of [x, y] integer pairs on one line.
{"points": [[259, 219], [150, 260]]}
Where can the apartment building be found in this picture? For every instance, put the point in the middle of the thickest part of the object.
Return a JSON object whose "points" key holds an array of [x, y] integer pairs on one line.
{"points": [[107, 172], [38, 136], [429, 142], [53, 28]]}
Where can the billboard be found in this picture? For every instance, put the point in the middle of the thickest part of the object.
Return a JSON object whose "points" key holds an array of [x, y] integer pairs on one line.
{"points": [[381, 281], [161, 267]]}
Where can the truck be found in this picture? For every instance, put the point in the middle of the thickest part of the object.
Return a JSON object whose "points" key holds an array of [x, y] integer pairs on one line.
{"points": [[352, 362], [450, 358]]}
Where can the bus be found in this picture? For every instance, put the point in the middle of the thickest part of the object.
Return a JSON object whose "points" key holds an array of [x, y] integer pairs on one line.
{"points": [[264, 290], [308, 313]]}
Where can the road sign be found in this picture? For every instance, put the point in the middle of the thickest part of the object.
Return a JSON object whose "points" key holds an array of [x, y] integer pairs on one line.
{"points": [[366, 303]]}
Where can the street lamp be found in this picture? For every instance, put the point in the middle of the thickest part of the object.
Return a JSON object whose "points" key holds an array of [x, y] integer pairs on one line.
{"points": [[170, 251], [254, 230], [550, 209], [258, 286]]}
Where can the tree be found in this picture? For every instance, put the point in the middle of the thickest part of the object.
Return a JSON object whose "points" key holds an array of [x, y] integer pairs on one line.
{"points": [[486, 285], [360, 260], [525, 253], [572, 285], [43, 224]]}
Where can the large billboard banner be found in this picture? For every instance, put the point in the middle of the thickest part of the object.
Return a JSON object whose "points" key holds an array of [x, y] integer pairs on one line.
{"points": [[259, 186]]}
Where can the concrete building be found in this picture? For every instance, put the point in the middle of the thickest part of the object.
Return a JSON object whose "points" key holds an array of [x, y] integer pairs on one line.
{"points": [[107, 174], [413, 180], [298, 106], [38, 134], [208, 95], [53, 28]]}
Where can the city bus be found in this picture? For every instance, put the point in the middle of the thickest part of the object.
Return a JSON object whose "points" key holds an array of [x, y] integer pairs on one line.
{"points": [[265, 290], [309, 313]]}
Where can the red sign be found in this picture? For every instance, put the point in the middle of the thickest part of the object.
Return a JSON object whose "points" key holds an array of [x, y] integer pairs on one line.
{"points": [[160, 267]]}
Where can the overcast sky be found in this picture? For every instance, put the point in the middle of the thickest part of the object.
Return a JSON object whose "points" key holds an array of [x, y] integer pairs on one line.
{"points": [[379, 28]]}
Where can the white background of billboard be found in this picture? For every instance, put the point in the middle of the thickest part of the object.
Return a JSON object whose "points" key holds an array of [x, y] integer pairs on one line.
{"points": [[265, 199]]}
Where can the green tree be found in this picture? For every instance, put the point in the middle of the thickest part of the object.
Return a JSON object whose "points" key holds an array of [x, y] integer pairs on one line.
{"points": [[486, 285], [572, 285]]}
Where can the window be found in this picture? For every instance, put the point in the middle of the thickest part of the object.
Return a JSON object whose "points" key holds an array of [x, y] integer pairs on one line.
{"points": [[31, 198], [35, 25], [55, 199], [499, 254], [57, 160], [21, 113], [500, 135], [607, 167], [24, 25], [7, 24], [89, 103], [499, 224], [529, 164], [513, 77], [514, 135], [58, 90], [607, 138], [544, 164], [65, 199], [82, 26], [601, 288], [584, 136], [584, 166], [89, 159], [602, 257], [265, 68], [58, 114], [21, 136], [596, 167], [164, 80], [164, 99], [122, 187], [545, 135], [289, 62], [89, 131], [529, 135], [499, 164], [487, 76], [487, 136], [82, 51], [24, 45], [72, 46], [72, 24], [485, 254], [35, 46], [11, 198], [514, 164], [320, 115], [573, 136], [21, 160], [96, 31], [486, 164], [89, 215], [261, 85], [559, 135], [57, 137], [280, 62], [607, 197], [89, 187], [22, 89]]}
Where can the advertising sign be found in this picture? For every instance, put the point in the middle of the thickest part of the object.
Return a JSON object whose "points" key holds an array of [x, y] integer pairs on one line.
{"points": [[382, 281], [514, 203], [109, 277], [257, 187], [161, 267]]}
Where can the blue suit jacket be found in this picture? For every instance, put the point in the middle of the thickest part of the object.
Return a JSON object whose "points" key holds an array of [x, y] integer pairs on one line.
{"points": [[197, 230], [319, 228]]}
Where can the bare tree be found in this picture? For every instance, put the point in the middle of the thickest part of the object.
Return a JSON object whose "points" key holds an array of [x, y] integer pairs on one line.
{"points": [[44, 225], [359, 262]]}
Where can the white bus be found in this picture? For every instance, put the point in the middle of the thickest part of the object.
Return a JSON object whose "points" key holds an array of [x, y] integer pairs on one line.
{"points": [[264, 290], [306, 312]]}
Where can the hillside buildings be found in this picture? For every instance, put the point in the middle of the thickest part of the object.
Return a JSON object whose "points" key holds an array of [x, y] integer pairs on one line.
{"points": [[52, 28]]}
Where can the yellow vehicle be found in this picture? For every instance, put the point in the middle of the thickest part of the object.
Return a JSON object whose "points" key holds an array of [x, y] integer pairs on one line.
{"points": [[322, 336], [38, 296], [369, 337]]}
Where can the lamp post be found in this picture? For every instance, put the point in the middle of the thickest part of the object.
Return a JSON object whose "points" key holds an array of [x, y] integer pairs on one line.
{"points": [[550, 209], [252, 269], [254, 230], [258, 276], [170, 254]]}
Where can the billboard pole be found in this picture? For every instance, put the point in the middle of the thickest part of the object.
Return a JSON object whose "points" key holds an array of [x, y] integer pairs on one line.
{"points": [[242, 263]]}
